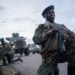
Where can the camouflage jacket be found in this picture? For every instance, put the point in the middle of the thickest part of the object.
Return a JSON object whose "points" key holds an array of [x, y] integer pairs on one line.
{"points": [[49, 44], [7, 48]]}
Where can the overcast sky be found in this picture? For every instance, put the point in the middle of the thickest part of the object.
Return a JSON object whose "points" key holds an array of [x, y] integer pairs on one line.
{"points": [[23, 16]]}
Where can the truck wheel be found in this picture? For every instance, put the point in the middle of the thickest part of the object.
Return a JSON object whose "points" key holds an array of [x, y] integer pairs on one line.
{"points": [[38, 52], [21, 53], [27, 53], [33, 52]]}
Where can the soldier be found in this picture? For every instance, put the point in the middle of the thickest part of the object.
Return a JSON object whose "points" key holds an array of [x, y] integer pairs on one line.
{"points": [[46, 36], [7, 50]]}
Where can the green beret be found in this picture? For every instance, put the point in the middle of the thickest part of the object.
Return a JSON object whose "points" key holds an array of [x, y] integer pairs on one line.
{"points": [[51, 7]]}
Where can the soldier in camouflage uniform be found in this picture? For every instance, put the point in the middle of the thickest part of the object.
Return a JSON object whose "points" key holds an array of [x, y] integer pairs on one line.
{"points": [[7, 50], [46, 36], [70, 53]]}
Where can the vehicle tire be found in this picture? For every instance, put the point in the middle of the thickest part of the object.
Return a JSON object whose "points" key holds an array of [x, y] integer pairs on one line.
{"points": [[21, 53], [33, 52], [38, 52], [26, 53]]}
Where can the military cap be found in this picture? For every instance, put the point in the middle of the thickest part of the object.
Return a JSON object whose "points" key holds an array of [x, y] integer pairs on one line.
{"points": [[51, 7]]}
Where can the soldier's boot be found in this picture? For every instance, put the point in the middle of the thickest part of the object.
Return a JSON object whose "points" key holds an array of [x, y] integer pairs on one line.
{"points": [[71, 70]]}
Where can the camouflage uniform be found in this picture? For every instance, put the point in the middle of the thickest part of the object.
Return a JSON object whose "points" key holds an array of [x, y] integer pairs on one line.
{"points": [[7, 51], [49, 50], [70, 53], [55, 48]]}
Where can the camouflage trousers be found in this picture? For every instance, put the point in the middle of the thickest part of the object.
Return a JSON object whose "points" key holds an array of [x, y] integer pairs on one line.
{"points": [[49, 67]]}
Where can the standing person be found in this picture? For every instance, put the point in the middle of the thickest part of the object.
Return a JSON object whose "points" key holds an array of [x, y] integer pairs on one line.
{"points": [[46, 36]]}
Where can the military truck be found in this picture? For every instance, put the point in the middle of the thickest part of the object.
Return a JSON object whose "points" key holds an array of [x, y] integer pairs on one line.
{"points": [[19, 47], [19, 44]]}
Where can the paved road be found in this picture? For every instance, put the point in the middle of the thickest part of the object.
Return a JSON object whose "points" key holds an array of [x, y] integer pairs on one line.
{"points": [[31, 64]]}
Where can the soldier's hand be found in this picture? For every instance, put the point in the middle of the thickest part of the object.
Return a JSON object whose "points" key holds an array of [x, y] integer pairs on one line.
{"points": [[51, 32]]}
